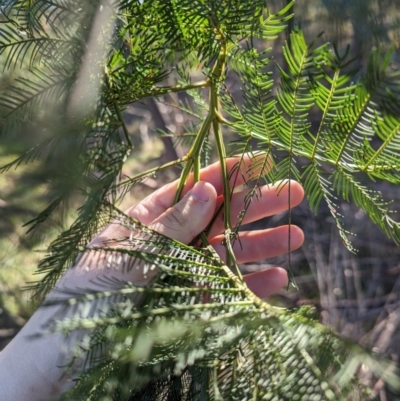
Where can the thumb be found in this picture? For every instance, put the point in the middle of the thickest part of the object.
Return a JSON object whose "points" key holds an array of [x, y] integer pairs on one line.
{"points": [[190, 216]]}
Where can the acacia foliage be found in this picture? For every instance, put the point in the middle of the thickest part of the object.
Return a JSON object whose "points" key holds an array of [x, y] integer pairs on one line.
{"points": [[76, 67]]}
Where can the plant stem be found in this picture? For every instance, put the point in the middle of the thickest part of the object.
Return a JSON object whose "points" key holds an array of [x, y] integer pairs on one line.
{"points": [[178, 88], [193, 157], [230, 257], [213, 118], [194, 153], [214, 105], [183, 178], [152, 171], [118, 112]]}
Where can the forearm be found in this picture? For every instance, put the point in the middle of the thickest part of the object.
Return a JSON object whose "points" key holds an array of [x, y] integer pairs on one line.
{"points": [[32, 366]]}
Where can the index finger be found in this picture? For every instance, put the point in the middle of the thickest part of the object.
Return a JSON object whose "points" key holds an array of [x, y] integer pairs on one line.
{"points": [[242, 171]]}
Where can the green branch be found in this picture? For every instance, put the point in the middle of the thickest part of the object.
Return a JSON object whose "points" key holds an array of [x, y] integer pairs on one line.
{"points": [[152, 171], [118, 111], [193, 155], [325, 112], [156, 91]]}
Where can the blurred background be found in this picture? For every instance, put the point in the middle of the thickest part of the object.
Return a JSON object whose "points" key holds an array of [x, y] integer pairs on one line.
{"points": [[358, 295]]}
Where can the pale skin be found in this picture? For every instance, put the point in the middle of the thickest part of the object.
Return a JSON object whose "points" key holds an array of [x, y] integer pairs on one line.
{"points": [[30, 368]]}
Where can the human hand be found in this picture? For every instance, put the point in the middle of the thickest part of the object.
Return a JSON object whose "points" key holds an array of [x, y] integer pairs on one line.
{"points": [[192, 214], [37, 365]]}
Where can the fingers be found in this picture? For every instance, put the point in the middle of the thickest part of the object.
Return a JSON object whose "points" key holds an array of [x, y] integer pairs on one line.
{"points": [[267, 282], [190, 216], [239, 171], [261, 244], [272, 200], [182, 222], [159, 201]]}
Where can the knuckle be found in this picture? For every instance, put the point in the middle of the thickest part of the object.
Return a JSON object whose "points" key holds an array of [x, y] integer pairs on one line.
{"points": [[175, 218]]}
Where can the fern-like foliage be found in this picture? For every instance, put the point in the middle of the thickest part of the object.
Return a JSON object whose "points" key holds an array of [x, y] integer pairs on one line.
{"points": [[201, 332], [196, 332]]}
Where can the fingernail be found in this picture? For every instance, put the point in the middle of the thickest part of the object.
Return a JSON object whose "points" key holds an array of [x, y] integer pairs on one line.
{"points": [[199, 192]]}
